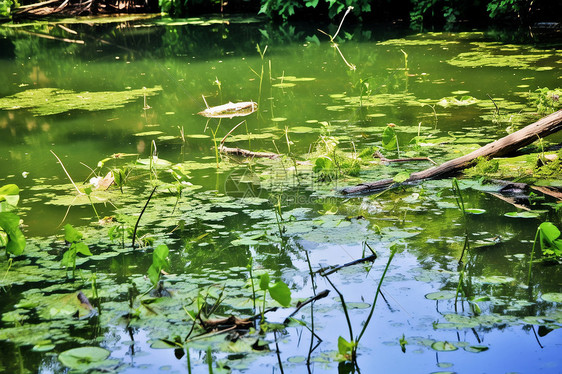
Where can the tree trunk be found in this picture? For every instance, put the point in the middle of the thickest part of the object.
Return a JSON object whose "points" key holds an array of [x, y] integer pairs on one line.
{"points": [[506, 145]]}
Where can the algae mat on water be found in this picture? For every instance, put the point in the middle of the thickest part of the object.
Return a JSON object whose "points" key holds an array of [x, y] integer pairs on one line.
{"points": [[47, 101]]}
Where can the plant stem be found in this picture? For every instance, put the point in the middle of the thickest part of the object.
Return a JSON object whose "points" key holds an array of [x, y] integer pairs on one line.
{"points": [[392, 253], [140, 215], [66, 172], [532, 253], [344, 306]]}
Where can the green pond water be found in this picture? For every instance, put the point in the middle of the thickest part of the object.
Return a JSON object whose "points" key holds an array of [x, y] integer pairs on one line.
{"points": [[125, 94]]}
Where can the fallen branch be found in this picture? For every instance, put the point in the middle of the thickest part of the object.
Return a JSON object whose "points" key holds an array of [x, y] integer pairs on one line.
{"points": [[550, 191], [332, 269], [247, 153], [300, 304], [506, 145]]}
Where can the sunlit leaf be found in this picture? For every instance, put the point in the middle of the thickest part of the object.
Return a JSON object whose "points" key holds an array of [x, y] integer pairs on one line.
{"points": [[83, 358], [281, 293]]}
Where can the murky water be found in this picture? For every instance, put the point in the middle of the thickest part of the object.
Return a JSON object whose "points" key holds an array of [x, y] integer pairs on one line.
{"points": [[88, 91]]}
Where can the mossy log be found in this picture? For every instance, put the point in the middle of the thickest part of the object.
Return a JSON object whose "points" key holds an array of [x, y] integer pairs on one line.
{"points": [[501, 147]]}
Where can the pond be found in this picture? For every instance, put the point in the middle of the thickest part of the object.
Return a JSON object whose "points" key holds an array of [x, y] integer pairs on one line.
{"points": [[138, 275]]}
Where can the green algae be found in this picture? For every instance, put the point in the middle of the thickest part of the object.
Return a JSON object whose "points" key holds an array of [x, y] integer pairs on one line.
{"points": [[49, 101], [487, 56]]}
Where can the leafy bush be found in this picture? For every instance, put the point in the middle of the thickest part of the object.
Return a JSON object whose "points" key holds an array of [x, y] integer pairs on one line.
{"points": [[497, 8], [287, 8], [6, 7]]}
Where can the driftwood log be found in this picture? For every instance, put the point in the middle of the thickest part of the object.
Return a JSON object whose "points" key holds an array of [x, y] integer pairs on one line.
{"points": [[247, 153], [501, 147]]}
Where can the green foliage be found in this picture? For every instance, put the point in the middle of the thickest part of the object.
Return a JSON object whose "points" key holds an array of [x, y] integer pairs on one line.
{"points": [[550, 241], [84, 358], [332, 163], [74, 237], [484, 167], [287, 8], [497, 8], [11, 236], [367, 153], [180, 8], [346, 349], [279, 291], [548, 167], [389, 138], [403, 343], [6, 7], [159, 262], [546, 100]]}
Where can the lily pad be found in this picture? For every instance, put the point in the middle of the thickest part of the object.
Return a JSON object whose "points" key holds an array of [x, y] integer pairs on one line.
{"points": [[554, 297], [83, 358], [441, 295], [443, 346], [522, 215]]}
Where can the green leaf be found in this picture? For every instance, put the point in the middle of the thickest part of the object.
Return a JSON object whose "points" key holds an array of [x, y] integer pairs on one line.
{"points": [[83, 358], [389, 138], [67, 258], [443, 346], [264, 281], [10, 195], [160, 255], [9, 222], [344, 347], [281, 293], [82, 248], [71, 235], [521, 214], [159, 261], [401, 177], [475, 211], [322, 163], [549, 232], [154, 274]]}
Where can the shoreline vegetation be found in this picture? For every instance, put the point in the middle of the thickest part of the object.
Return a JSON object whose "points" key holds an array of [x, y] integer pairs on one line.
{"points": [[419, 14]]}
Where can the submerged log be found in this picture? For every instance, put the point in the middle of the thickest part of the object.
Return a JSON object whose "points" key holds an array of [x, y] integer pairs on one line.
{"points": [[247, 153], [501, 147], [230, 110]]}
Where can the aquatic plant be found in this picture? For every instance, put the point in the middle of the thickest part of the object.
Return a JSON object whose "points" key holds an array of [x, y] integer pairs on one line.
{"points": [[50, 101], [547, 100], [279, 291], [159, 262], [550, 240], [347, 349], [11, 236], [76, 246]]}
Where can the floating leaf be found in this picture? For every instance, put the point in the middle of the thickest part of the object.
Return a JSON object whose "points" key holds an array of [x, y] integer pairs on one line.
{"points": [[476, 348], [475, 211], [148, 133], [443, 346], [553, 297], [283, 85], [83, 358], [441, 295], [522, 215]]}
